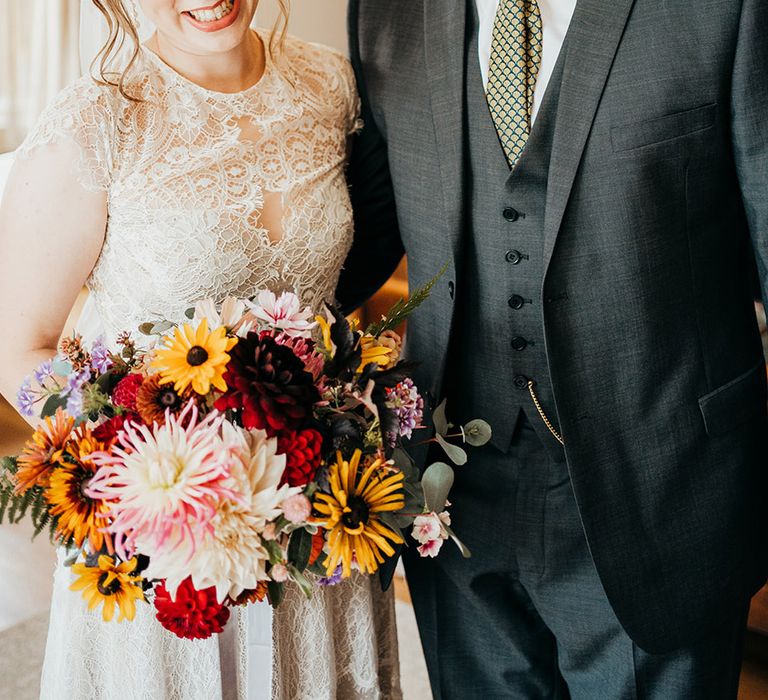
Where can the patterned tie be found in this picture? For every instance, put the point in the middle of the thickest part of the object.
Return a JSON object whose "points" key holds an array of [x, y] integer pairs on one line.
{"points": [[515, 60]]}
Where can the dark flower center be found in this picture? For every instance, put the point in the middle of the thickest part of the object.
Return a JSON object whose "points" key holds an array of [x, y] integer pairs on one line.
{"points": [[197, 356], [168, 398], [359, 513], [111, 589]]}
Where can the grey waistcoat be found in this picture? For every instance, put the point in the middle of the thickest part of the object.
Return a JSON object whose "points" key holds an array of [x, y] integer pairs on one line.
{"points": [[499, 339]]}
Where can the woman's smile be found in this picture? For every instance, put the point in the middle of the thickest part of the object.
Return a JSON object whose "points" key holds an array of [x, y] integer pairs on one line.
{"points": [[214, 17]]}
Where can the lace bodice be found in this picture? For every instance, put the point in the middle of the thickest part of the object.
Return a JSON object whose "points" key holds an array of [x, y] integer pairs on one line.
{"points": [[213, 194]]}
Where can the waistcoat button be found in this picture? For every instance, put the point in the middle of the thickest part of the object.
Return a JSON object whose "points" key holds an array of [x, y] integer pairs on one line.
{"points": [[518, 343], [511, 214], [520, 381], [516, 302], [513, 256], [451, 289]]}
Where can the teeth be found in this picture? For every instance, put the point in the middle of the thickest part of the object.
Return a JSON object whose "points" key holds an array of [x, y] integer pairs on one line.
{"points": [[221, 10]]}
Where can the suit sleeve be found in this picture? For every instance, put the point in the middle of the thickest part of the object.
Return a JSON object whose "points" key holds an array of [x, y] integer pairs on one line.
{"points": [[377, 248], [749, 119]]}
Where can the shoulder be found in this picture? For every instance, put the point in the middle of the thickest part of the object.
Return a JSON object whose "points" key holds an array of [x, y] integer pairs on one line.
{"points": [[326, 75], [307, 57]]}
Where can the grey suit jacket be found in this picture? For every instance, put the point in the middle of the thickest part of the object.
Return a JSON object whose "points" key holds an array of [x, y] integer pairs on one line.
{"points": [[657, 208]]}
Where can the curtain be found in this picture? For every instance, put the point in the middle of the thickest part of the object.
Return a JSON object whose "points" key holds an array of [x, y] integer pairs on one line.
{"points": [[38, 57]]}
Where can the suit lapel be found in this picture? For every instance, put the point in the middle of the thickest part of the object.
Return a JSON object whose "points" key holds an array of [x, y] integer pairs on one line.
{"points": [[593, 39], [444, 40]]}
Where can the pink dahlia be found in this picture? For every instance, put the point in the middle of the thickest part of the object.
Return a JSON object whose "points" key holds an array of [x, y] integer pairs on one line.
{"points": [[283, 313]]}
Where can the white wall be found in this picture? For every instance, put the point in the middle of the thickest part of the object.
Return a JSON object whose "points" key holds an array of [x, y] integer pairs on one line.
{"points": [[323, 21]]}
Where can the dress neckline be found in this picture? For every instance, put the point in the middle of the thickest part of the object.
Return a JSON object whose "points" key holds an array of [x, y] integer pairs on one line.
{"points": [[166, 68]]}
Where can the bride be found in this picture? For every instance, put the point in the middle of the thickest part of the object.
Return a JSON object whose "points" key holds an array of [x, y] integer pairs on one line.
{"points": [[210, 163]]}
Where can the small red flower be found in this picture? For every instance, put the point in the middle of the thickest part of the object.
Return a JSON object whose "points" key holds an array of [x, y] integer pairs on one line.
{"points": [[107, 432], [303, 455], [124, 394], [193, 614]]}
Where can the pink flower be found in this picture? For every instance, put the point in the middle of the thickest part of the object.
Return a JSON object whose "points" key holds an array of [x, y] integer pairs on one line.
{"points": [[279, 573], [270, 532], [283, 313], [297, 508], [165, 482], [431, 548], [429, 527]]}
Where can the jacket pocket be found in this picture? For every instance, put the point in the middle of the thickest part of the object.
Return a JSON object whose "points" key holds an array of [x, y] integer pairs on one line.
{"points": [[625, 137], [736, 402]]}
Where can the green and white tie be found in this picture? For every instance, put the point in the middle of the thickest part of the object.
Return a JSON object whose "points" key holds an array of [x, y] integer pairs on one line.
{"points": [[515, 61]]}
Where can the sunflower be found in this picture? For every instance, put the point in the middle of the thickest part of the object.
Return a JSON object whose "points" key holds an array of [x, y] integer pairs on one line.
{"points": [[194, 357], [80, 517], [43, 452], [110, 584], [154, 399], [352, 513]]}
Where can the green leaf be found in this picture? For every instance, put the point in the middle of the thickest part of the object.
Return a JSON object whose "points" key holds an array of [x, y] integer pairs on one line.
{"points": [[439, 419], [190, 313], [52, 404], [146, 328], [477, 433], [275, 593], [274, 551], [161, 327], [304, 583], [300, 549], [405, 307], [62, 367], [456, 454], [462, 547], [437, 482], [396, 521], [405, 464]]}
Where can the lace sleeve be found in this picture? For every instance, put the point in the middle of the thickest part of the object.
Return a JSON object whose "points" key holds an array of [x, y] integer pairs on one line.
{"points": [[81, 116], [354, 122]]}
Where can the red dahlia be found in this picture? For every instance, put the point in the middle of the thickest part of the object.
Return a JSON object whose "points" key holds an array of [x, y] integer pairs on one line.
{"points": [[268, 384], [124, 394], [107, 432], [194, 614], [302, 451]]}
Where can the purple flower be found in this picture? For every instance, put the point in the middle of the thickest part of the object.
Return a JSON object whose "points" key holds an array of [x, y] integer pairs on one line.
{"points": [[331, 580], [408, 406], [101, 359], [77, 379], [25, 398], [44, 371], [75, 403]]}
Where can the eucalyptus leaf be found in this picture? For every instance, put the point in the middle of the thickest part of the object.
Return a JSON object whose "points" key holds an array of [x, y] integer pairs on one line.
{"points": [[396, 521], [304, 583], [146, 328], [477, 433], [52, 404], [274, 551], [462, 547], [190, 313], [439, 419], [161, 327], [456, 454], [61, 367], [405, 464], [437, 482]]}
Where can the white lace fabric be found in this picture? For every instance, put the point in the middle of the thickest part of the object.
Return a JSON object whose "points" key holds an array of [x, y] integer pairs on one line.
{"points": [[211, 195]]}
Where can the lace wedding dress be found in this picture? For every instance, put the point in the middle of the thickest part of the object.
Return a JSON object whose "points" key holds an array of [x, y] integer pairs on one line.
{"points": [[210, 195]]}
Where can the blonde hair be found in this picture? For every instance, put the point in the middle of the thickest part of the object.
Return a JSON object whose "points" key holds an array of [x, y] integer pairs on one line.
{"points": [[123, 31]]}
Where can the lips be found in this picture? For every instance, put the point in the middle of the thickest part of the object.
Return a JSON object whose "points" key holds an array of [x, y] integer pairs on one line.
{"points": [[214, 17]]}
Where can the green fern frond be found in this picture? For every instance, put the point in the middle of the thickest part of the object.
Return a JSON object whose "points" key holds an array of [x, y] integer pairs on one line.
{"points": [[405, 307]]}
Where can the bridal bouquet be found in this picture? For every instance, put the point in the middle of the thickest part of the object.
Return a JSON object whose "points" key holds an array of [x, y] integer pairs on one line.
{"points": [[209, 464]]}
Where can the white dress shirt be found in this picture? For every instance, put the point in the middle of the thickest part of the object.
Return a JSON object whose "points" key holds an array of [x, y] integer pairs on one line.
{"points": [[555, 17]]}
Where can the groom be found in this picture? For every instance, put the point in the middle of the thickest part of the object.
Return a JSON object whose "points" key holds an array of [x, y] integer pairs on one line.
{"points": [[595, 173]]}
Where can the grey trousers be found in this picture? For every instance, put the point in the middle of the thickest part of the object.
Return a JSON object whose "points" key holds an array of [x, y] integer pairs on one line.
{"points": [[526, 616]]}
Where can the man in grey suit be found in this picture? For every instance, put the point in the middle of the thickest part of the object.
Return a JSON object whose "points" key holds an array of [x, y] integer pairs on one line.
{"points": [[601, 203]]}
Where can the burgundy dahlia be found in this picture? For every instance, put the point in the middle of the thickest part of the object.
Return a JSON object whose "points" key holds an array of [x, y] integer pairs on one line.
{"points": [[303, 453], [268, 384], [109, 430], [192, 614]]}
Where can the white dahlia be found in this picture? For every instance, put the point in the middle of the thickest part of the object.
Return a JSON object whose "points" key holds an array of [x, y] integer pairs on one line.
{"points": [[231, 556]]}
